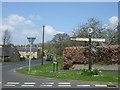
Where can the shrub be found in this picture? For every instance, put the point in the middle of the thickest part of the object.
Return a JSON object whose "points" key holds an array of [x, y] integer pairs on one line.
{"points": [[90, 72]]}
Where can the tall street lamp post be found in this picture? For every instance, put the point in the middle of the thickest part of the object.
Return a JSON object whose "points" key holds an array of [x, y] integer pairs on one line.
{"points": [[31, 40]]}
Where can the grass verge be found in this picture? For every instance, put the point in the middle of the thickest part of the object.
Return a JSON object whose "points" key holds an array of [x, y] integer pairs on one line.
{"points": [[47, 71]]}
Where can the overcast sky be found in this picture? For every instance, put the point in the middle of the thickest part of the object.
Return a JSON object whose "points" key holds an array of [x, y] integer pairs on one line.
{"points": [[26, 19]]}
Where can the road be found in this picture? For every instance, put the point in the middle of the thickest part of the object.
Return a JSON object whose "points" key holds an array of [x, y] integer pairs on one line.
{"points": [[11, 79]]}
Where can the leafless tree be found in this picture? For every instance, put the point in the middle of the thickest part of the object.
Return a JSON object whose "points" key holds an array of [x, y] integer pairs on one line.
{"points": [[6, 41], [6, 37]]}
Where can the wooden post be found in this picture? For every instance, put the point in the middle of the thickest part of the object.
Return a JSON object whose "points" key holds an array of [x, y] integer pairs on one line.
{"points": [[43, 46]]}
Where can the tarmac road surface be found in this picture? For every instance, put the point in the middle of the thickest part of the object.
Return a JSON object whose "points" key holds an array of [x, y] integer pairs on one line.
{"points": [[11, 79]]}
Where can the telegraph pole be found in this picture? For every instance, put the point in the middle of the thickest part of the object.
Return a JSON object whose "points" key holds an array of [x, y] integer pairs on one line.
{"points": [[43, 46]]}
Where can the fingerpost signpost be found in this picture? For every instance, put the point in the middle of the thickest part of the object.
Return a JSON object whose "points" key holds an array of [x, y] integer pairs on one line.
{"points": [[89, 40]]}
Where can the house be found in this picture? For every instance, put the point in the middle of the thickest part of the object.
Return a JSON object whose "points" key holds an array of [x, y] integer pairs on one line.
{"points": [[9, 53], [25, 52]]}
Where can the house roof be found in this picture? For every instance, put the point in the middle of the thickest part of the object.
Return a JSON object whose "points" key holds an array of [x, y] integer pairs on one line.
{"points": [[8, 51], [27, 49]]}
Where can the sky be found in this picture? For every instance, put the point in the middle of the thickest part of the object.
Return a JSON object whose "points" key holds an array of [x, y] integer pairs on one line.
{"points": [[24, 19]]}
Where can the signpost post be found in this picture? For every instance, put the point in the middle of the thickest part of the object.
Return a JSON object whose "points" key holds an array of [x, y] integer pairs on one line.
{"points": [[90, 30], [31, 40], [89, 40], [55, 65]]}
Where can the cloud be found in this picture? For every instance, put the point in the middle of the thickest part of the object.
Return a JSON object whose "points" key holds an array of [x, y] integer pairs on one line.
{"points": [[113, 22], [35, 17], [6, 27], [20, 28], [51, 31], [30, 32], [15, 19]]}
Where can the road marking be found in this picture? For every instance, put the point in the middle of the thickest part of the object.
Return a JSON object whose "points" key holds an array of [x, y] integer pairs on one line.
{"points": [[27, 85], [101, 85], [0, 82], [63, 83], [13, 83], [83, 85], [10, 85], [47, 85]]}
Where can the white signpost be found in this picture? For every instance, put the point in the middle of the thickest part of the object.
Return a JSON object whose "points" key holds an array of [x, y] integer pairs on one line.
{"points": [[87, 39], [90, 30], [31, 40]]}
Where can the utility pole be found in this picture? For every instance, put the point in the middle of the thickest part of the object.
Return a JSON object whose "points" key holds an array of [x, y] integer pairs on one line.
{"points": [[43, 45]]}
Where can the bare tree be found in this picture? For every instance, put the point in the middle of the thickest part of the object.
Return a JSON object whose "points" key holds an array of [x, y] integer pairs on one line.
{"points": [[6, 37], [6, 41]]}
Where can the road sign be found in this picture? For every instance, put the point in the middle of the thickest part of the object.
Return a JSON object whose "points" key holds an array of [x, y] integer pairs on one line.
{"points": [[94, 49], [87, 39], [98, 39], [80, 39], [31, 39]]}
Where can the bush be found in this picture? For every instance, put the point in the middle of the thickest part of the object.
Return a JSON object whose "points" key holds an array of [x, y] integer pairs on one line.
{"points": [[90, 72]]}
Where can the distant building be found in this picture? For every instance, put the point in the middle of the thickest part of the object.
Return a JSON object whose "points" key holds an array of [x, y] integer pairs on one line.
{"points": [[25, 52], [10, 53]]}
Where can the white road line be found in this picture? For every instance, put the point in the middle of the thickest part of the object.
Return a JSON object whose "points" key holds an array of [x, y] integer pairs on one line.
{"points": [[10, 85], [27, 85], [0, 82], [101, 85], [47, 85], [83, 85], [63, 83], [13, 83]]}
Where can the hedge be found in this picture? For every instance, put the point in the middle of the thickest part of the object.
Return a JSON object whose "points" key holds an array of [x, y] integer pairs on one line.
{"points": [[75, 55]]}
